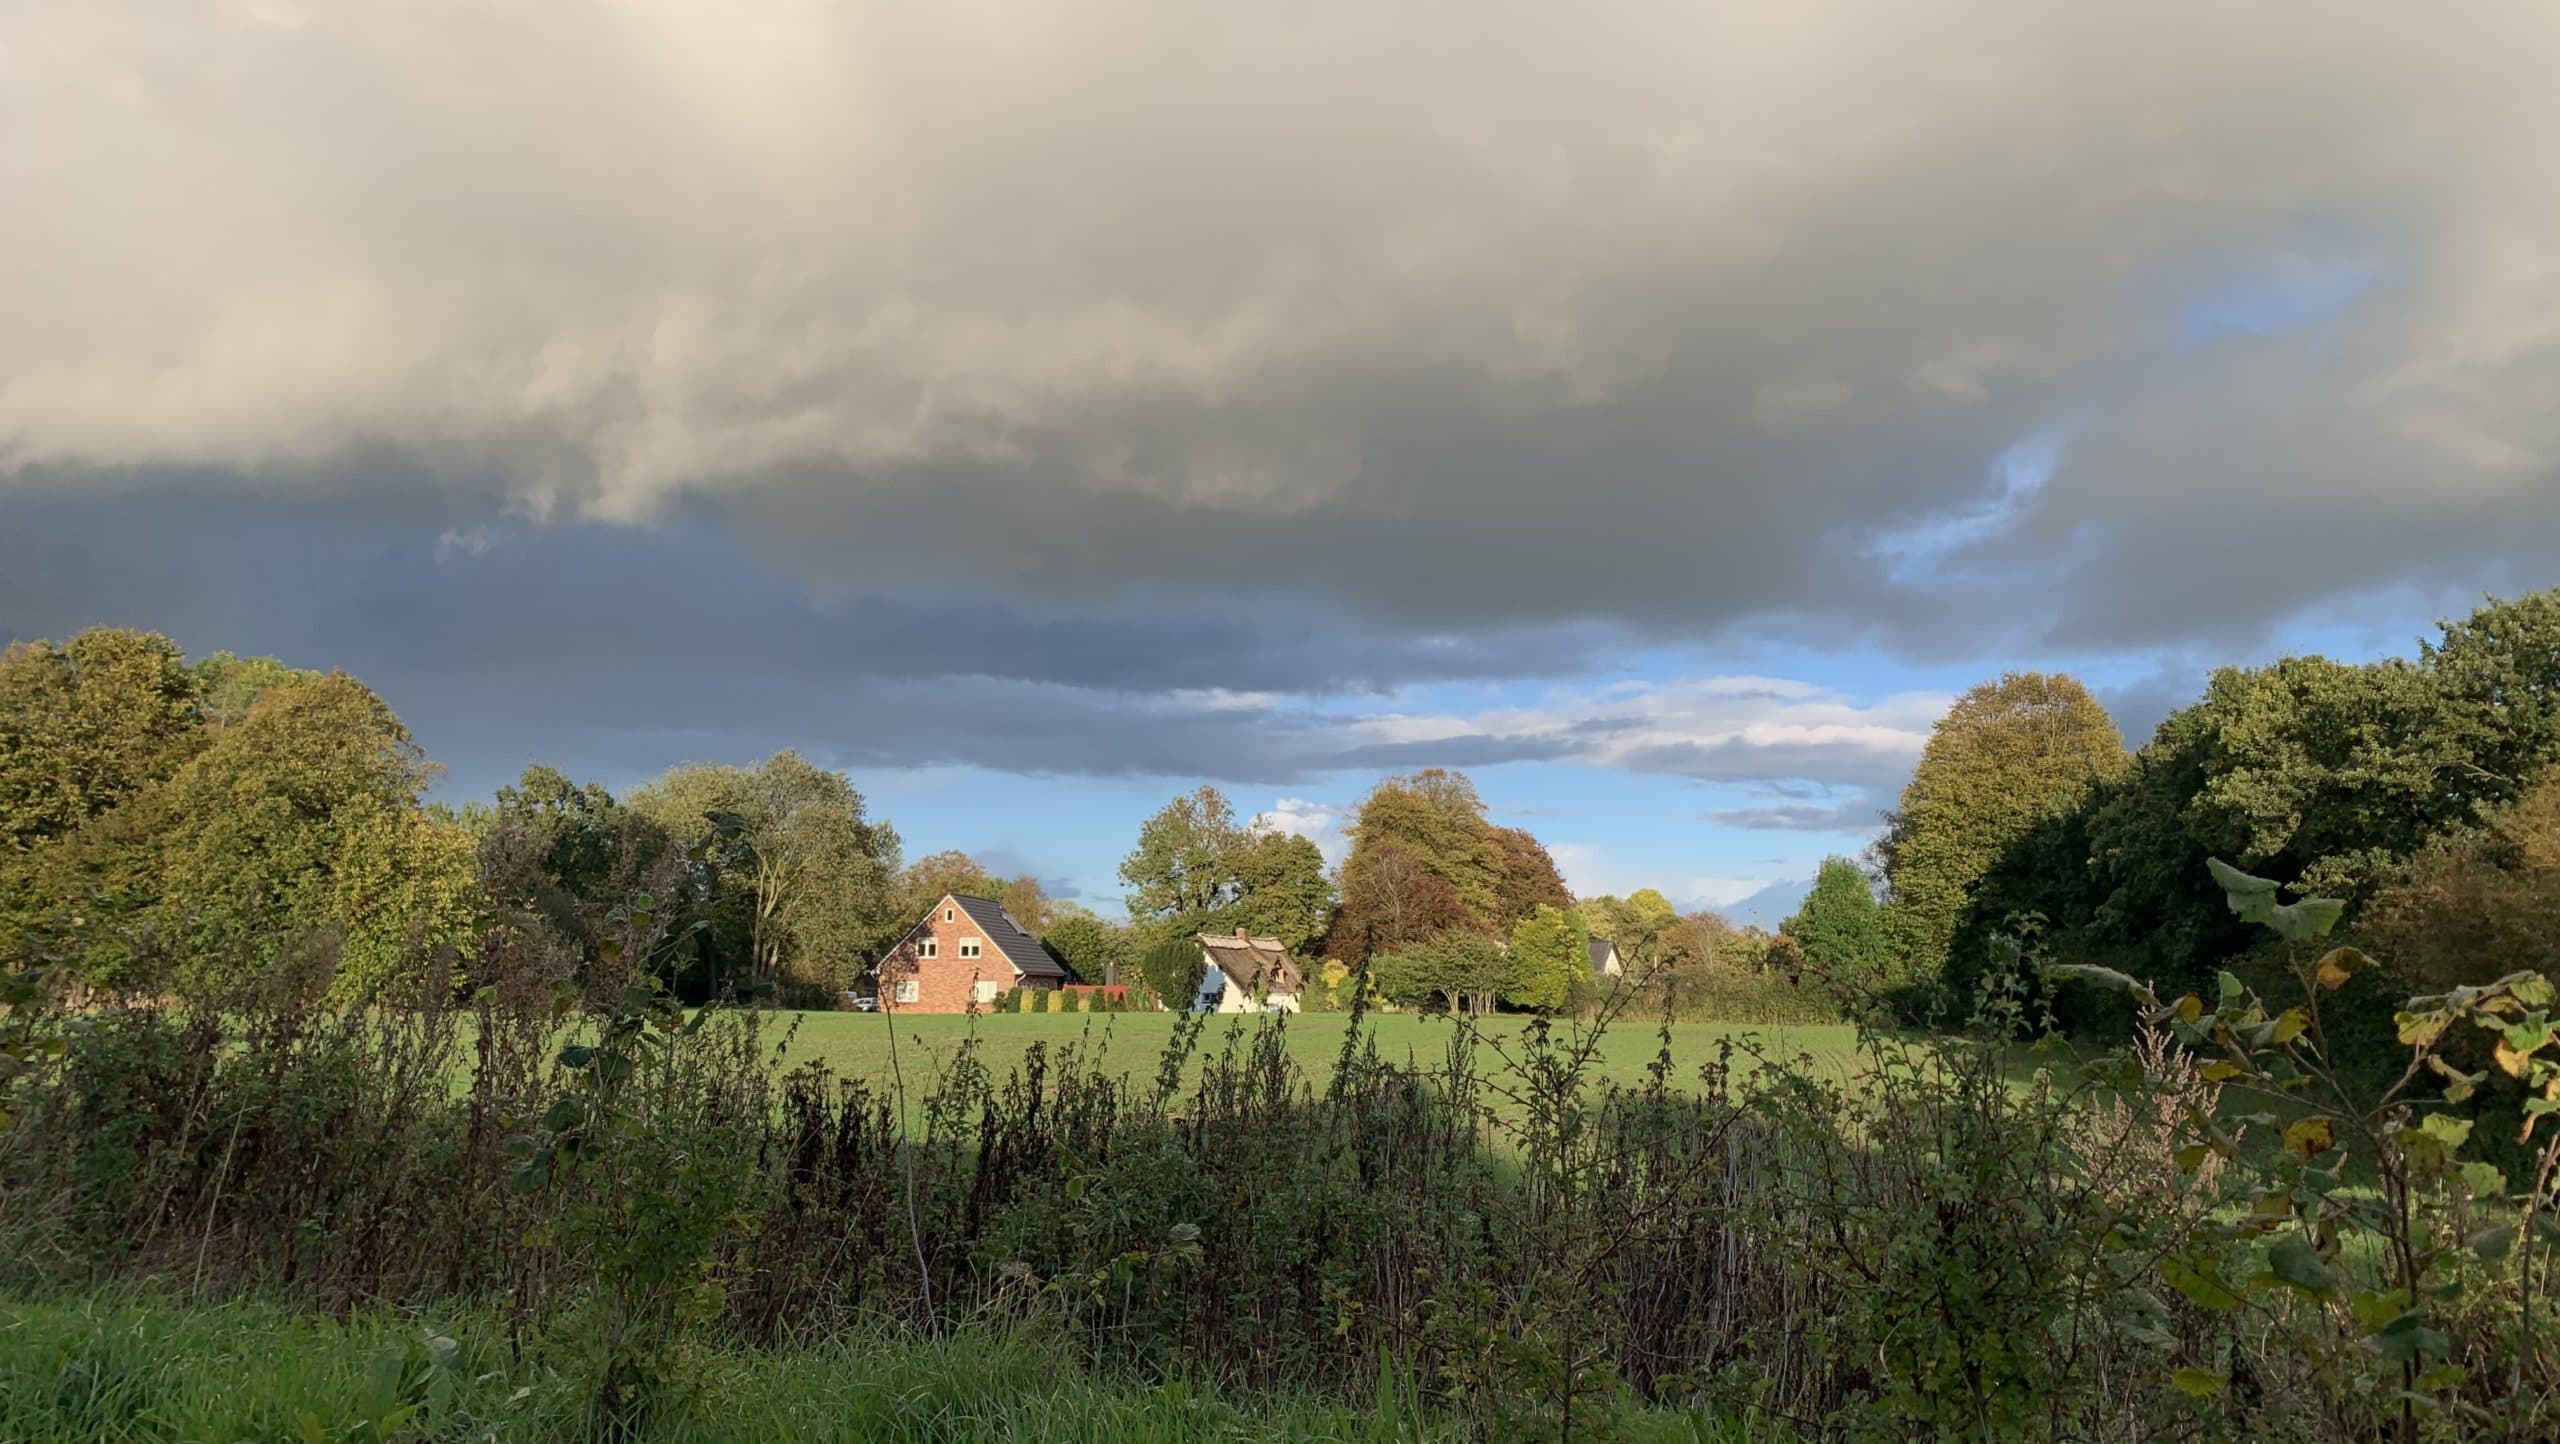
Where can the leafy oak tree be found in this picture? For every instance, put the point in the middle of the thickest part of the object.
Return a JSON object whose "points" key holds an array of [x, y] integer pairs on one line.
{"points": [[1183, 869]]}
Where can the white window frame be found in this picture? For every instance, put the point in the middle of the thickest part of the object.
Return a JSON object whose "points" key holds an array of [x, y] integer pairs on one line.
{"points": [[907, 991], [970, 948], [948, 916], [984, 990], [927, 947]]}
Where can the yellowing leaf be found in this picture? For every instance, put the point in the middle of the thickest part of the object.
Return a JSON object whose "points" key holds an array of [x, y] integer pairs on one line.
{"points": [[2510, 1060], [2289, 1025], [2311, 1137], [2340, 965], [2220, 1071]]}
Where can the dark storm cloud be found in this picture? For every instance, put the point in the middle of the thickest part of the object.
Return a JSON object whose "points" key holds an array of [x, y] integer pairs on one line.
{"points": [[1443, 321], [640, 647]]}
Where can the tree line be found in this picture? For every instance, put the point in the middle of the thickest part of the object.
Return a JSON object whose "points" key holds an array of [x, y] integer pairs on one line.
{"points": [[166, 821], [2419, 791]]}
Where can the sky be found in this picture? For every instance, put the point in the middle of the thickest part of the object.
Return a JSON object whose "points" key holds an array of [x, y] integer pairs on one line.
{"points": [[1659, 411]]}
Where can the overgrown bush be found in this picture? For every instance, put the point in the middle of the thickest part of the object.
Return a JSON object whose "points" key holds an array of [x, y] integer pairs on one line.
{"points": [[1976, 1235]]}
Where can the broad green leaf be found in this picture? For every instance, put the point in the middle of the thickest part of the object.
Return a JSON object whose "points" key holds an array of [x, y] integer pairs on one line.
{"points": [[2201, 1283], [2220, 1070], [2253, 898], [2444, 1127], [2192, 1157], [2310, 918], [2294, 1261], [2493, 1242], [2092, 973], [2198, 1383]]}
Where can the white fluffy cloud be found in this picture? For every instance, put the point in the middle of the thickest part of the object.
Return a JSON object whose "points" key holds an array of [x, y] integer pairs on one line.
{"points": [[1452, 313]]}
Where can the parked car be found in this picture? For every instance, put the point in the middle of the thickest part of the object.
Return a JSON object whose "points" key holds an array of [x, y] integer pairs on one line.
{"points": [[862, 1002]]}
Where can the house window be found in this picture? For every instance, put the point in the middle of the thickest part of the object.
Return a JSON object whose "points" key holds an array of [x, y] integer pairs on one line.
{"points": [[969, 947], [907, 991], [947, 915], [982, 992], [926, 948]]}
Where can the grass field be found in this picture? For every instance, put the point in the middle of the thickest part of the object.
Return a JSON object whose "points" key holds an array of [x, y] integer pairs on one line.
{"points": [[102, 1369], [858, 1045]]}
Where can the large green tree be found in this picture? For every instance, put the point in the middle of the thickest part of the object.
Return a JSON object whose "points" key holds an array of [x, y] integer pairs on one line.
{"points": [[85, 725], [1183, 870], [1281, 889], [297, 831], [806, 881], [1094, 949], [1550, 952], [1459, 969], [2007, 757], [1438, 817], [565, 859], [1841, 928]]}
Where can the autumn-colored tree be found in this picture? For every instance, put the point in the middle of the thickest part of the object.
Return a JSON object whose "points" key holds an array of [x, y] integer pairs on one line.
{"points": [[1526, 877], [2009, 756], [1637, 923], [2479, 904], [928, 879], [1391, 900]]}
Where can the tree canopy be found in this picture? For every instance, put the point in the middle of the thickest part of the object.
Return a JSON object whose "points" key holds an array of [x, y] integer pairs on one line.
{"points": [[1550, 952], [1841, 928], [1196, 869], [802, 882], [2009, 756]]}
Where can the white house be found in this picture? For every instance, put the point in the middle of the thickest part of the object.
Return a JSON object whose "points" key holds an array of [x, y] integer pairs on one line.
{"points": [[1242, 974], [1604, 959]]}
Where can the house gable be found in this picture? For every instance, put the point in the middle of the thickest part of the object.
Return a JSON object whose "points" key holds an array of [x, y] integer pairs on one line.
{"points": [[964, 951]]}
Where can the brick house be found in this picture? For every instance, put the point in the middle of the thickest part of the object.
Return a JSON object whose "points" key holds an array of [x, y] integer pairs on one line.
{"points": [[966, 950]]}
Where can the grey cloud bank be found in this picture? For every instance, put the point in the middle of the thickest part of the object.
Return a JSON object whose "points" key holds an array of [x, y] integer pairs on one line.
{"points": [[1636, 312]]}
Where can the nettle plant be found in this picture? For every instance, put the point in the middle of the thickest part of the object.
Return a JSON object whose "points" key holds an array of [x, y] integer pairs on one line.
{"points": [[2357, 1203]]}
